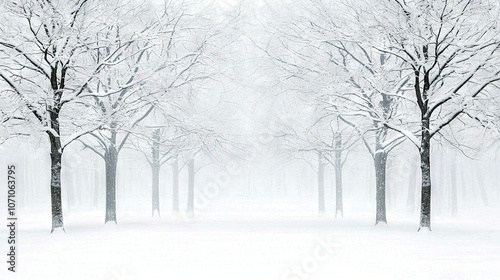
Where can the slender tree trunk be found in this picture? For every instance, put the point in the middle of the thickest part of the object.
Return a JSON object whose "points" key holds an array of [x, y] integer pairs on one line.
{"points": [[283, 182], [249, 183], [95, 199], [380, 161], [463, 185], [155, 172], [190, 202], [439, 184], [321, 184], [412, 184], [453, 186], [425, 159], [305, 180], [339, 204], [175, 185], [55, 181], [28, 182], [482, 187], [111, 162], [70, 190], [155, 190], [298, 181]]}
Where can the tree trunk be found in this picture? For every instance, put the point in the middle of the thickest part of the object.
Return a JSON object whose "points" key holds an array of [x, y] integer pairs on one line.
{"points": [[380, 160], [321, 183], [55, 181], [463, 185], [453, 186], [425, 165], [412, 184], [175, 185], [155, 172], [111, 161], [339, 204], [437, 190], [190, 203], [95, 198], [70, 190], [482, 187]]}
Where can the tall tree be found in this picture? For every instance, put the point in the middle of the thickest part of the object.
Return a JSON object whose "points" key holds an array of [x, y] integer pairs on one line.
{"points": [[449, 50], [156, 65], [352, 80], [44, 52], [120, 97]]}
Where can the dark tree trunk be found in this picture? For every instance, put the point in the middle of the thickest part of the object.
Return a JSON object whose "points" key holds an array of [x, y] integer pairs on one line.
{"points": [[56, 148], [55, 181], [175, 185], [321, 183], [425, 165], [111, 162], [339, 204], [380, 159], [155, 171], [191, 173]]}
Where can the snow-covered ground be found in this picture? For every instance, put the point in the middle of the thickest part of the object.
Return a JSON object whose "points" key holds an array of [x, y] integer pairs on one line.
{"points": [[246, 241]]}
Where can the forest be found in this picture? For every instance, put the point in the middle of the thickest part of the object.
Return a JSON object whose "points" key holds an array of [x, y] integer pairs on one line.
{"points": [[357, 118]]}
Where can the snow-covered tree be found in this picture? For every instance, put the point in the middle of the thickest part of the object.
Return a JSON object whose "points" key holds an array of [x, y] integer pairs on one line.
{"points": [[450, 52], [125, 95], [351, 81], [46, 49]]}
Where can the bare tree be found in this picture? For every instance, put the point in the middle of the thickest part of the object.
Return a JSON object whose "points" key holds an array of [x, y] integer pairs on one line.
{"points": [[122, 95], [45, 51], [353, 81], [450, 50]]}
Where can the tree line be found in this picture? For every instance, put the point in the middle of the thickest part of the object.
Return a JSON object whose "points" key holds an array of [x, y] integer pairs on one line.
{"points": [[153, 76]]}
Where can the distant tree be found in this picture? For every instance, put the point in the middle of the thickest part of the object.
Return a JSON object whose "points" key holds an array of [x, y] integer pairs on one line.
{"points": [[161, 142], [124, 95], [208, 136], [300, 125], [350, 81]]}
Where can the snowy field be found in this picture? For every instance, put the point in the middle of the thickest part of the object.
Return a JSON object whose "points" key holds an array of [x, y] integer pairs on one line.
{"points": [[277, 242]]}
